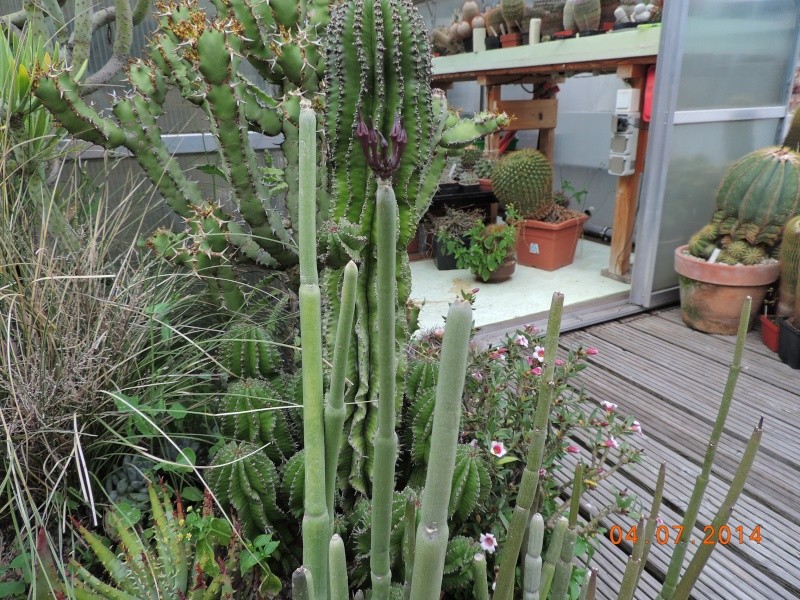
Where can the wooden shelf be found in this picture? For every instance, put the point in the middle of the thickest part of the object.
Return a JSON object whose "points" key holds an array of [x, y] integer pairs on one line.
{"points": [[628, 53]]}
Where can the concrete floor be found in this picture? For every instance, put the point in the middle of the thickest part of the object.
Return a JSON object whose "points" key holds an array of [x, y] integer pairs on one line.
{"points": [[527, 292]]}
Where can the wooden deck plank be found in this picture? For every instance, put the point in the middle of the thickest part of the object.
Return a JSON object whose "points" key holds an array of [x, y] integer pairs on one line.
{"points": [[672, 379]]}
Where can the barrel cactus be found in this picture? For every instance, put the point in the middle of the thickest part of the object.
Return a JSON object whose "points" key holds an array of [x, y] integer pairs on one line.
{"points": [[513, 13], [789, 299], [758, 194], [524, 178]]}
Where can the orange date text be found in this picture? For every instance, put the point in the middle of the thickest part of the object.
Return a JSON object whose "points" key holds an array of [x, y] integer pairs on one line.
{"points": [[674, 534]]}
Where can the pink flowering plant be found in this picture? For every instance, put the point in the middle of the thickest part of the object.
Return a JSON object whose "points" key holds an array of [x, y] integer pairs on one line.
{"points": [[502, 389]]}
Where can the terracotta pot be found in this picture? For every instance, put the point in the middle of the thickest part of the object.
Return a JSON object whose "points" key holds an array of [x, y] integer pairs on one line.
{"points": [[548, 246], [712, 294], [770, 332], [485, 185], [509, 40], [789, 346], [501, 273]]}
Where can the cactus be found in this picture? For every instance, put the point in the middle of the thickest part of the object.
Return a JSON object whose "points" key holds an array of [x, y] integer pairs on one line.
{"points": [[524, 178], [513, 13], [587, 14], [758, 194], [493, 20], [789, 297], [242, 477], [391, 87], [129, 481]]}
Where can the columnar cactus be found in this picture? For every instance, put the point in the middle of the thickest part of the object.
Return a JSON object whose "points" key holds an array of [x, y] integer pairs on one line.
{"points": [[377, 76], [513, 13], [524, 178], [789, 299], [758, 194]]}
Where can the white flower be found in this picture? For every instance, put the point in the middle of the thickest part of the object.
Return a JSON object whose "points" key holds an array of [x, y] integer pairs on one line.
{"points": [[636, 427], [521, 340], [488, 542], [608, 406], [498, 449], [538, 353]]}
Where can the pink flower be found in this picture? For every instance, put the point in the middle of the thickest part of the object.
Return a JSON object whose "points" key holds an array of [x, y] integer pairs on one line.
{"points": [[474, 443], [542, 472], [498, 449], [536, 370], [659, 520], [573, 449], [538, 353], [438, 333], [608, 406], [592, 351], [636, 427], [559, 362], [611, 443], [488, 542], [497, 355], [521, 340], [477, 376]]}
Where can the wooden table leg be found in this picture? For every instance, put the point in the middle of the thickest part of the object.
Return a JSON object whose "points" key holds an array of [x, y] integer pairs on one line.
{"points": [[627, 198]]}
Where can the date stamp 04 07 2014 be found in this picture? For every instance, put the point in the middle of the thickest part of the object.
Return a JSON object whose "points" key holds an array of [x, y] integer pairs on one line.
{"points": [[673, 535]]}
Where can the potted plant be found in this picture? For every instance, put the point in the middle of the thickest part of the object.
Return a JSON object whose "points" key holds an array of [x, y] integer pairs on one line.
{"points": [[789, 296], [734, 255], [489, 251], [483, 170], [514, 17], [453, 224], [770, 328], [548, 232]]}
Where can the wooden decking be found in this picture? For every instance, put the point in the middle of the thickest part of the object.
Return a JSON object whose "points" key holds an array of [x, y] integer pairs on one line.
{"points": [[672, 378]]}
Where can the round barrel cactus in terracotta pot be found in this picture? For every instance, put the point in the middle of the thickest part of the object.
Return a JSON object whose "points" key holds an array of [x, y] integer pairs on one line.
{"points": [[735, 255], [547, 234]]}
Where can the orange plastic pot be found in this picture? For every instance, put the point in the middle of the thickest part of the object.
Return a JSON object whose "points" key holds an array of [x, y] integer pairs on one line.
{"points": [[712, 294], [509, 40], [548, 246], [770, 332]]}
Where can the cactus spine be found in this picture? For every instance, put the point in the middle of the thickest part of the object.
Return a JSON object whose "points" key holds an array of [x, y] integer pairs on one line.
{"points": [[789, 299], [524, 178], [513, 13]]}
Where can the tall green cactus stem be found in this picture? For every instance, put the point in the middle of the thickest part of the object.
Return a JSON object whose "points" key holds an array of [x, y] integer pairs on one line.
{"points": [[575, 498], [530, 476], [758, 194], [378, 70], [633, 569], [337, 569], [789, 297], [563, 571], [480, 583], [524, 178], [316, 521], [385, 438], [334, 406], [409, 543], [652, 517], [532, 573], [432, 532], [302, 584], [722, 517], [557, 540], [690, 516]]}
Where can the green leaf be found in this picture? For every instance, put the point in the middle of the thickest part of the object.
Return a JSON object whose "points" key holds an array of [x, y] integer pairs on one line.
{"points": [[125, 403], [11, 589], [177, 411], [191, 494], [507, 459]]}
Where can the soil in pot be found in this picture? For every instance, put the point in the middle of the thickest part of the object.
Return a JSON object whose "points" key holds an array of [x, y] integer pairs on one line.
{"points": [[770, 332], [789, 344], [712, 294]]}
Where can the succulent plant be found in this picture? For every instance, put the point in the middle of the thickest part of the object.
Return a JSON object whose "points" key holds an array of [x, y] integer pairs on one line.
{"points": [[524, 179], [757, 196], [513, 13], [493, 19], [129, 481], [789, 297], [483, 168]]}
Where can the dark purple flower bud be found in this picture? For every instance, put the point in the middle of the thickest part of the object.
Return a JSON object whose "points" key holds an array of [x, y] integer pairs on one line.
{"points": [[382, 156]]}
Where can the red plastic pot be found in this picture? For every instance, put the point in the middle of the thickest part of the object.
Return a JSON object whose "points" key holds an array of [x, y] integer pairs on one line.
{"points": [[770, 332]]}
